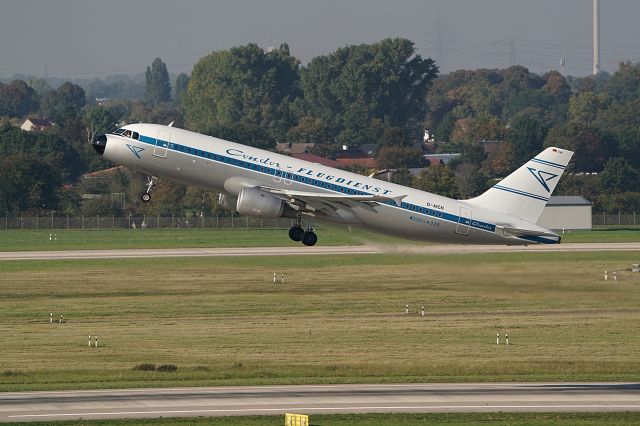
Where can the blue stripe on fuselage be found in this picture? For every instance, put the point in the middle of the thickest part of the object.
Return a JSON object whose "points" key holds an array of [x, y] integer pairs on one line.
{"points": [[314, 182]]}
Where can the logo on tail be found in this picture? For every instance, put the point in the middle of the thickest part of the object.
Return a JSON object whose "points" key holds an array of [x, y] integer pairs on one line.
{"points": [[542, 177]]}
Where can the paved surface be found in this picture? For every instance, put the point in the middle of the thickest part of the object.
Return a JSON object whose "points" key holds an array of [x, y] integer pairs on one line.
{"points": [[219, 401], [317, 250]]}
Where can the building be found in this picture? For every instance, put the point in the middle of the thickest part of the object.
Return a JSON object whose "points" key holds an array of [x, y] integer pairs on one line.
{"points": [[39, 124], [566, 212], [317, 159], [439, 159], [294, 148]]}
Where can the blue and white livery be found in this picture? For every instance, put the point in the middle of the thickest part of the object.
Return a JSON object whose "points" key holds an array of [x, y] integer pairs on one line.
{"points": [[264, 184]]}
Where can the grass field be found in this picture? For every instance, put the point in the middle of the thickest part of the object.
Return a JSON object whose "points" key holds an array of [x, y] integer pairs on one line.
{"points": [[525, 419], [28, 240], [336, 319]]}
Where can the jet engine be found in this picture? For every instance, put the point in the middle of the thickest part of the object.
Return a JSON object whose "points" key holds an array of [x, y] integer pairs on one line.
{"points": [[227, 201], [256, 203]]}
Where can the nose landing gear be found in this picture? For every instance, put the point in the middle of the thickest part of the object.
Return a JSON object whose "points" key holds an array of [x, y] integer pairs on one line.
{"points": [[151, 183], [298, 233]]}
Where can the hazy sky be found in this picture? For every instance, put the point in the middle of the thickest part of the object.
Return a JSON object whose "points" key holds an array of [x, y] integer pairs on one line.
{"points": [[86, 38]]}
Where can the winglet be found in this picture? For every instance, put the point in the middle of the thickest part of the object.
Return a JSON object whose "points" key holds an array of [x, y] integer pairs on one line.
{"points": [[398, 199]]}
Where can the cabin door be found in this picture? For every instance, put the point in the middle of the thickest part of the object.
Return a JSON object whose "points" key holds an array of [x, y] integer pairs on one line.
{"points": [[464, 221], [162, 143]]}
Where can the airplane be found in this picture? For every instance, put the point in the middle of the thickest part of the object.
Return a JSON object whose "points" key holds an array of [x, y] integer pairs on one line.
{"points": [[263, 184]]}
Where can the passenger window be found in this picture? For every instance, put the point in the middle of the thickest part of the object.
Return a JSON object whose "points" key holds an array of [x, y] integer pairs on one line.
{"points": [[135, 135]]}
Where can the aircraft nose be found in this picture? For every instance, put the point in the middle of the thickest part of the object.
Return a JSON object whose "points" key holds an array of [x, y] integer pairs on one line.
{"points": [[99, 143]]}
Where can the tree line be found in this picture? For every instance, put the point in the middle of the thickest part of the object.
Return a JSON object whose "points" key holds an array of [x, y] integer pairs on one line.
{"points": [[382, 93]]}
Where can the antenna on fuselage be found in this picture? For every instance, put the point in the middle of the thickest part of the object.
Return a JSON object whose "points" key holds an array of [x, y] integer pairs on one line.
{"points": [[170, 124]]}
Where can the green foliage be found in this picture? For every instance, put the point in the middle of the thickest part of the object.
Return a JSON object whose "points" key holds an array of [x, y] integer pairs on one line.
{"points": [[17, 99], [28, 183], [438, 179], [180, 88], [64, 103], [527, 133], [357, 88], [97, 120], [241, 91], [619, 176], [157, 85]]}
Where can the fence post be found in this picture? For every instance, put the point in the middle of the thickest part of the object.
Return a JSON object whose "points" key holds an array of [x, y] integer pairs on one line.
{"points": [[6, 221], [217, 221], [158, 221], [113, 221], [202, 218], [37, 222], [98, 222], [247, 226], [21, 222], [67, 221], [604, 218], [634, 218], [51, 220], [618, 217], [82, 220], [172, 222], [231, 220]]}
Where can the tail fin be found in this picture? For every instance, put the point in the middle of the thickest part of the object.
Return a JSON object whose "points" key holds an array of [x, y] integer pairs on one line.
{"points": [[525, 192]]}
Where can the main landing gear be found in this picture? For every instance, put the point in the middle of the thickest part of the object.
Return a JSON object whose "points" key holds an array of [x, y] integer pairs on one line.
{"points": [[151, 183], [297, 233]]}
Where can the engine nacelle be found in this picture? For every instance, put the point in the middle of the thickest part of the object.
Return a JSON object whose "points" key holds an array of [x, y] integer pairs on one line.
{"points": [[256, 203], [227, 201]]}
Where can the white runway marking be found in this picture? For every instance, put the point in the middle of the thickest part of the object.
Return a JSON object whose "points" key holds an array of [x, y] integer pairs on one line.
{"points": [[317, 250]]}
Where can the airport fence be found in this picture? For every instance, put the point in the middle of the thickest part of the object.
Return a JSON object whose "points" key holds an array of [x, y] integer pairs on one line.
{"points": [[616, 219], [54, 221]]}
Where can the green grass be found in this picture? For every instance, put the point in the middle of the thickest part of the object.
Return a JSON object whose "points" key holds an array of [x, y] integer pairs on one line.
{"points": [[603, 235], [406, 419], [337, 319], [31, 240]]}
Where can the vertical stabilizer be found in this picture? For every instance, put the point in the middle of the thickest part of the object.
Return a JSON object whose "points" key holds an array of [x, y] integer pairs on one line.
{"points": [[525, 192]]}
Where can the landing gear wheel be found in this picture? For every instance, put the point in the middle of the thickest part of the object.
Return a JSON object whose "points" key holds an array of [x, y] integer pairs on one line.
{"points": [[296, 232], [146, 197], [309, 238]]}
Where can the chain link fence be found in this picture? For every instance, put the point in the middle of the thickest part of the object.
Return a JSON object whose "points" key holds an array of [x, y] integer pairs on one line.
{"points": [[149, 222], [223, 222], [616, 219]]}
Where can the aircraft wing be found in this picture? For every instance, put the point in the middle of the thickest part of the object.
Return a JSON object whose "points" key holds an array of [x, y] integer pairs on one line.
{"points": [[328, 203]]}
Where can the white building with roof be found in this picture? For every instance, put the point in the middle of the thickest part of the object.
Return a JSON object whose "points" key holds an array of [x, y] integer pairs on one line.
{"points": [[567, 212]]}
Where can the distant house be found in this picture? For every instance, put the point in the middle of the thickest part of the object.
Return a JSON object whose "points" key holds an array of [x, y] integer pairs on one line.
{"points": [[361, 156], [294, 148], [36, 124], [317, 159], [439, 159]]}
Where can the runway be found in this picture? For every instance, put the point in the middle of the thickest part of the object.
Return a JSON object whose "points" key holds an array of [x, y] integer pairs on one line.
{"points": [[312, 399], [316, 250]]}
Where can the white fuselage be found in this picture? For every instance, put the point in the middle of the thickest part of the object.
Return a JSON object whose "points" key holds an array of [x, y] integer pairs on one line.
{"points": [[218, 165]]}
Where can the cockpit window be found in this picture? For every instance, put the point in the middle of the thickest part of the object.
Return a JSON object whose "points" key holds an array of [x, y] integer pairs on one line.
{"points": [[118, 131]]}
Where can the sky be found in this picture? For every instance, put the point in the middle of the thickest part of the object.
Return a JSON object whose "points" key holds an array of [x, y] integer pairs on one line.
{"points": [[91, 38]]}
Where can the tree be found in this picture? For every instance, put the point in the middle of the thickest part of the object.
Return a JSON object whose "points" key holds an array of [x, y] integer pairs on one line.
{"points": [[242, 88], [527, 133], [157, 85], [180, 88], [356, 86], [438, 179], [63, 103], [28, 182], [618, 176], [97, 120], [17, 99]]}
